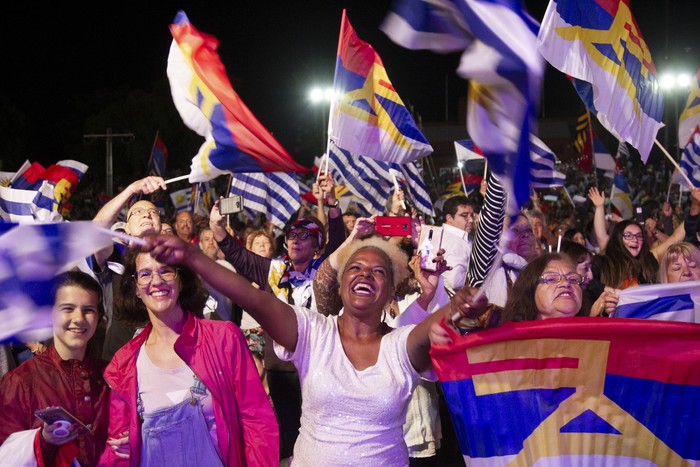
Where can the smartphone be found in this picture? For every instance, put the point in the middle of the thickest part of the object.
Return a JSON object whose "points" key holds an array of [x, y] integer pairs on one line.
{"points": [[231, 205], [640, 216], [392, 226], [429, 242], [70, 424]]}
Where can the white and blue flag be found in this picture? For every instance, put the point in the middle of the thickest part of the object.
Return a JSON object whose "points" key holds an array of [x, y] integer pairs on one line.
{"points": [[542, 170], [679, 301], [275, 194], [30, 257]]}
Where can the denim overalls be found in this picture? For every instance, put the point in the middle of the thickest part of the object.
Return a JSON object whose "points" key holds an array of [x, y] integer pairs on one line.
{"points": [[178, 435]]}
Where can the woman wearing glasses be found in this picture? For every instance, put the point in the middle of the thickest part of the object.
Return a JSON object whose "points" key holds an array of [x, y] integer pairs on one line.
{"points": [[548, 287], [185, 390]]}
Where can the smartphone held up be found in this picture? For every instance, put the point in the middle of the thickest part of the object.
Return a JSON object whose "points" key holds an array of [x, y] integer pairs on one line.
{"points": [[429, 243], [393, 226]]}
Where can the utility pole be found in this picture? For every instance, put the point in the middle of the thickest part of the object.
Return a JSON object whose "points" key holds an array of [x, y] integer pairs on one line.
{"points": [[109, 173]]}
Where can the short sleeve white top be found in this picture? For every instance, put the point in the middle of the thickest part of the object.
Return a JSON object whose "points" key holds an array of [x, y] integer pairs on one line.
{"points": [[350, 417]]}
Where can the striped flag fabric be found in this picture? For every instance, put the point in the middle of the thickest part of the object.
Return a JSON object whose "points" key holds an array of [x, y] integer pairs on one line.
{"points": [[63, 176], [542, 169], [501, 62], [29, 206], [275, 194], [575, 391], [30, 257], [235, 141], [599, 42], [690, 117], [679, 301], [690, 160], [371, 180], [367, 115]]}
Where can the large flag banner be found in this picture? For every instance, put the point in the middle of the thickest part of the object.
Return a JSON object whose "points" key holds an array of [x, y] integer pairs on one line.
{"points": [[367, 115], [30, 257], [690, 117], [501, 62], [599, 42], [275, 194], [235, 140], [372, 183], [679, 301], [575, 392], [690, 160], [621, 198], [28, 206], [542, 169]]}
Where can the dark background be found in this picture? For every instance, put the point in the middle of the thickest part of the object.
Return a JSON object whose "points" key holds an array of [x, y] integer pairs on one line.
{"points": [[69, 71]]}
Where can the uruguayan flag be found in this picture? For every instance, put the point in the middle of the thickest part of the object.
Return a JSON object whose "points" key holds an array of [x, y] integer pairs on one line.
{"points": [[679, 301], [542, 173], [275, 194], [28, 206], [372, 183]]}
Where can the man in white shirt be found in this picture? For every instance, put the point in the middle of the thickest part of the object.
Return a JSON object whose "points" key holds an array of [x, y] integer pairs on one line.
{"points": [[458, 225]]}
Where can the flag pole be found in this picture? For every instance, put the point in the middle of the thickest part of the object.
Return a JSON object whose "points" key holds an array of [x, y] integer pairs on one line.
{"points": [[177, 179], [592, 145], [675, 164], [331, 110], [668, 192], [396, 187], [461, 178]]}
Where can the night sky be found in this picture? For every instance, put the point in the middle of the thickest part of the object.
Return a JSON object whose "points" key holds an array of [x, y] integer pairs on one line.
{"points": [[273, 53]]}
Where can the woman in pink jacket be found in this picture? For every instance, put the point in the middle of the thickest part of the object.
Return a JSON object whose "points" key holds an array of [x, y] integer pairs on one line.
{"points": [[185, 389]]}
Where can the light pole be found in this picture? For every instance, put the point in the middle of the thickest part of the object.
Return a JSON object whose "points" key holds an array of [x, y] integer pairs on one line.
{"points": [[323, 96], [87, 139]]}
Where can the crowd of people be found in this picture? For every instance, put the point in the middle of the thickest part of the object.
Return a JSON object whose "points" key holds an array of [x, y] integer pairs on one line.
{"points": [[226, 343]]}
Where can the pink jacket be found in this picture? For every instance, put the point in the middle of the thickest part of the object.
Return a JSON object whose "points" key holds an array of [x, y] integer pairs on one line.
{"points": [[217, 353]]}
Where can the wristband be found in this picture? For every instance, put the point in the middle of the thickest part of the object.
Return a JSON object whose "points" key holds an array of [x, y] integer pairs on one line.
{"points": [[334, 205]]}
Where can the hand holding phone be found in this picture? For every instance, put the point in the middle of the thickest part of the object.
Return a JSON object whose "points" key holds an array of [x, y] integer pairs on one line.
{"points": [[63, 425], [429, 244], [231, 205]]}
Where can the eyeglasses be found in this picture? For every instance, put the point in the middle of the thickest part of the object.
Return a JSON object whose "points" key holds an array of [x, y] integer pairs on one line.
{"points": [[297, 235], [141, 212], [145, 276], [555, 278], [630, 236]]}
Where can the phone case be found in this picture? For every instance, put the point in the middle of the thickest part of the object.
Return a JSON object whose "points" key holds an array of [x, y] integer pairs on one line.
{"points": [[231, 205], [55, 414], [393, 226], [429, 243]]}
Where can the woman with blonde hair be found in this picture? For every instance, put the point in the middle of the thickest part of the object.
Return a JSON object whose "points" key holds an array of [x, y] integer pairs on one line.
{"points": [[681, 263]]}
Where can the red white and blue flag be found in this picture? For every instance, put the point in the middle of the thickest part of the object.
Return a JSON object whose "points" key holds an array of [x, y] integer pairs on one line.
{"points": [[599, 42], [367, 116], [235, 140], [575, 391]]}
